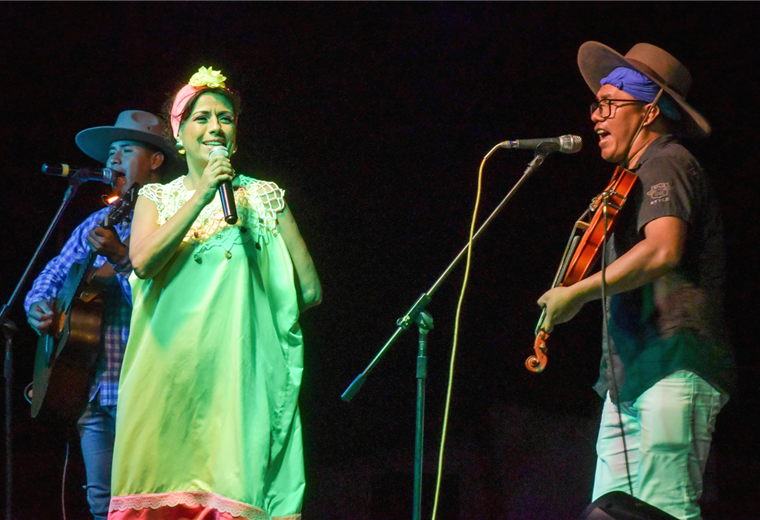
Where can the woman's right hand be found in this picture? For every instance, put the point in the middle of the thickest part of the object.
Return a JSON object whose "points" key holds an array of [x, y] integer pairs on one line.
{"points": [[218, 170]]}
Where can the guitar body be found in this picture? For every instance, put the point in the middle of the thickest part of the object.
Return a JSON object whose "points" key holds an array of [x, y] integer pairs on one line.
{"points": [[65, 358]]}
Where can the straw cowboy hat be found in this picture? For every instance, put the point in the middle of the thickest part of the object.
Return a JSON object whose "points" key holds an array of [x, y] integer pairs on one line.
{"points": [[131, 125], [596, 61]]}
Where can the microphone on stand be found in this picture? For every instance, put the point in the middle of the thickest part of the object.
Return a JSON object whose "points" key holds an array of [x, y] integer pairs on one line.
{"points": [[564, 144], [105, 175], [225, 190]]}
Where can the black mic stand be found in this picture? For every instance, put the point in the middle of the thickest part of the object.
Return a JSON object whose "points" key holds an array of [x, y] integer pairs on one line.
{"points": [[424, 325], [416, 314], [9, 328]]}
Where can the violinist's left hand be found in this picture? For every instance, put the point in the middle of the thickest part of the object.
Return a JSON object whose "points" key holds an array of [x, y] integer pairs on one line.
{"points": [[562, 304]]}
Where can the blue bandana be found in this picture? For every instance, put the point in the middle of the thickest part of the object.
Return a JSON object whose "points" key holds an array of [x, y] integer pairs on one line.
{"points": [[641, 88], [633, 83]]}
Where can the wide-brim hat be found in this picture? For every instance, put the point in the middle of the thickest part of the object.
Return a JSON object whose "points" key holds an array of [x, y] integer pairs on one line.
{"points": [[131, 125], [596, 61]]}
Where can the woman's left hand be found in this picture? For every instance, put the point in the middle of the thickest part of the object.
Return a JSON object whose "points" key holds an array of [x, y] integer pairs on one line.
{"points": [[309, 287]]}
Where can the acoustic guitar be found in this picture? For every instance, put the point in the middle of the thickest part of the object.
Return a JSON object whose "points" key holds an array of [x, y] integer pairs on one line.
{"points": [[66, 356]]}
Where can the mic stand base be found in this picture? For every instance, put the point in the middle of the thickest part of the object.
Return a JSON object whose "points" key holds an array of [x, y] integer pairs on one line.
{"points": [[417, 314], [9, 329]]}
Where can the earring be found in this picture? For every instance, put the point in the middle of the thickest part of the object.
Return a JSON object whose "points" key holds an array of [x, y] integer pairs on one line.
{"points": [[180, 147]]}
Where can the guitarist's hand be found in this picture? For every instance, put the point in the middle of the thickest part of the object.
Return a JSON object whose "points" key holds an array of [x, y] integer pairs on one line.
{"points": [[105, 242], [40, 317]]}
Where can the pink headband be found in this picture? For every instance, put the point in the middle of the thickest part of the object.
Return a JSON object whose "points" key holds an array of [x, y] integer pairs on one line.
{"points": [[204, 79]]}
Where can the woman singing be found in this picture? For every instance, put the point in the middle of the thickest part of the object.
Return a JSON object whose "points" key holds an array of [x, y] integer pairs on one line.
{"points": [[208, 423]]}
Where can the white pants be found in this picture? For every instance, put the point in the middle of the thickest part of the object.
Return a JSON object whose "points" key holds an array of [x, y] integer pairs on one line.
{"points": [[668, 430]]}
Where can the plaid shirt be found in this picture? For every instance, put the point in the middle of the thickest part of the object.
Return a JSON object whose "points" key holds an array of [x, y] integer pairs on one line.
{"points": [[118, 302]]}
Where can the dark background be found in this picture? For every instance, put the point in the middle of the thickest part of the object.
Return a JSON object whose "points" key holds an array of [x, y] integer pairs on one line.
{"points": [[375, 117]]}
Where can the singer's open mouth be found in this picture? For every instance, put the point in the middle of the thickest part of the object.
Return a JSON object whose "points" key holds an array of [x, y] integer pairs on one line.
{"points": [[603, 135]]}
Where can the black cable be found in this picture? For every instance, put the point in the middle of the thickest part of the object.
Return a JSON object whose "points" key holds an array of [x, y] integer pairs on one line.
{"points": [[610, 362], [610, 348]]}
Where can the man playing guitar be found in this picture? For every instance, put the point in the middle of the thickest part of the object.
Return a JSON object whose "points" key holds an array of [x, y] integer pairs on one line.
{"points": [[134, 147]]}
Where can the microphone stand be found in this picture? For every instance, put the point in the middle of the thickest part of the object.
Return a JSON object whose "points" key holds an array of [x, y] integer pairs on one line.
{"points": [[416, 314], [9, 328], [424, 325]]}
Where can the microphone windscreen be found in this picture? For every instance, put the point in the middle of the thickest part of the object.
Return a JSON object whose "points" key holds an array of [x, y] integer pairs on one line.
{"points": [[218, 150], [571, 143]]}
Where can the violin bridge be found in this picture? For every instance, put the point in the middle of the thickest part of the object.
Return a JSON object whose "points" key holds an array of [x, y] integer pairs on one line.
{"points": [[582, 225]]}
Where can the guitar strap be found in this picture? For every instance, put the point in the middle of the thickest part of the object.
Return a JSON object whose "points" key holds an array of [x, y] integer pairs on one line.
{"points": [[98, 278]]}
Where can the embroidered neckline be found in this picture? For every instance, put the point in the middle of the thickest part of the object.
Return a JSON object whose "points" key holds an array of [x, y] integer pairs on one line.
{"points": [[257, 202]]}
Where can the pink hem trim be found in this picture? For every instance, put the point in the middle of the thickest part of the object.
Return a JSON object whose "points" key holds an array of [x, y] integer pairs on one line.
{"points": [[199, 501]]}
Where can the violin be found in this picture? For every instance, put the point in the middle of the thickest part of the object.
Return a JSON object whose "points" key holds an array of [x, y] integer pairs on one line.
{"points": [[583, 249]]}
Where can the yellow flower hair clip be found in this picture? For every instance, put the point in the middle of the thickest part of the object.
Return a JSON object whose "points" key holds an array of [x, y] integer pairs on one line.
{"points": [[207, 77]]}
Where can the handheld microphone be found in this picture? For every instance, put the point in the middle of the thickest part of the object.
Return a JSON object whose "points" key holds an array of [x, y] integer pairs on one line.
{"points": [[564, 144], [225, 190], [105, 175]]}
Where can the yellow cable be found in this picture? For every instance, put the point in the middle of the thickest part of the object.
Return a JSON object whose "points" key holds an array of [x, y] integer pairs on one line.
{"points": [[456, 334]]}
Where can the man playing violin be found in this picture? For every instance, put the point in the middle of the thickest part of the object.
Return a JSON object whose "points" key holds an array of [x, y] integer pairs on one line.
{"points": [[136, 149], [667, 366]]}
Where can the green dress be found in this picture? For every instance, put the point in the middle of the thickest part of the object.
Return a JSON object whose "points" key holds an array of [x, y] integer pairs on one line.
{"points": [[208, 401]]}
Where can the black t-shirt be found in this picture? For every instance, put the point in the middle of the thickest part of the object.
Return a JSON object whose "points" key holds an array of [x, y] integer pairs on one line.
{"points": [[676, 322]]}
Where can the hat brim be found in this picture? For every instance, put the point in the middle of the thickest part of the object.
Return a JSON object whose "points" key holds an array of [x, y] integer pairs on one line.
{"points": [[96, 142], [596, 61]]}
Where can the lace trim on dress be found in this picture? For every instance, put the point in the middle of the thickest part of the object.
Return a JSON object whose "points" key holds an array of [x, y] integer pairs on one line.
{"points": [[257, 203], [191, 499]]}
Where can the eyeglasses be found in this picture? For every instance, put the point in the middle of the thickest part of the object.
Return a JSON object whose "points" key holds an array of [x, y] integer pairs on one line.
{"points": [[605, 106]]}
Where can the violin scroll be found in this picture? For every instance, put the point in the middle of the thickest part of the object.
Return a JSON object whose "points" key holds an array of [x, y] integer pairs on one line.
{"points": [[538, 362]]}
